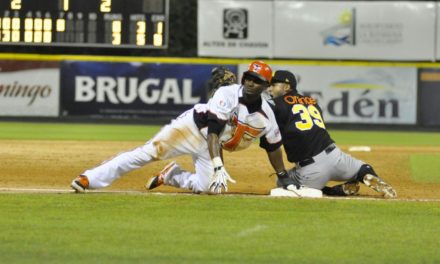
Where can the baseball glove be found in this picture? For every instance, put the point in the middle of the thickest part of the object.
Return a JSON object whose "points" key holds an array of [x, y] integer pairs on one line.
{"points": [[220, 76]]}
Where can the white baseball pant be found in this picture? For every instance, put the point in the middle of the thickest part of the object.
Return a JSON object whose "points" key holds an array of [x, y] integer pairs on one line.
{"points": [[180, 137]]}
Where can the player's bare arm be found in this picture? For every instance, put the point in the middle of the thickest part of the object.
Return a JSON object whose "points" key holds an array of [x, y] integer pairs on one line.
{"points": [[276, 160], [214, 146]]}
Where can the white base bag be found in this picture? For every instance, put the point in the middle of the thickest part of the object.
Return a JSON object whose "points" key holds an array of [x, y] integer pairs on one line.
{"points": [[292, 191]]}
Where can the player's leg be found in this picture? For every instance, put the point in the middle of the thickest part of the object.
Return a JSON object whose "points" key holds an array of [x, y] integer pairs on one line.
{"points": [[104, 174], [353, 171], [197, 182], [313, 175], [343, 167], [368, 176], [159, 179], [330, 165], [173, 175], [112, 169], [178, 138], [343, 189]]}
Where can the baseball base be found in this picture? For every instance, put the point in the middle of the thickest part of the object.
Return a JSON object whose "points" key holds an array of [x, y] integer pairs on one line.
{"points": [[292, 191]]}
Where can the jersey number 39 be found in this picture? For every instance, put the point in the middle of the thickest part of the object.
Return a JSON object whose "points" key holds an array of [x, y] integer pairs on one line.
{"points": [[310, 116]]}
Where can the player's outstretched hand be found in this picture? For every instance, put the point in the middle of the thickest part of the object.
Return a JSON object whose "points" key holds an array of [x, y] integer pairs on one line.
{"points": [[219, 180]]}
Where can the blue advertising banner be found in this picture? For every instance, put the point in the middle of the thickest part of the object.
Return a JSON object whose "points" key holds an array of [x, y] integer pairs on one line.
{"points": [[132, 90]]}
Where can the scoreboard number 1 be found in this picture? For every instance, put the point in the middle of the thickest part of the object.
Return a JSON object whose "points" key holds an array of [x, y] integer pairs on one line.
{"points": [[65, 5]]}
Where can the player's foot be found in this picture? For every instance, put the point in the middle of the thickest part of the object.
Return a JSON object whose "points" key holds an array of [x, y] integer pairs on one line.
{"points": [[380, 186], [344, 189], [80, 184], [158, 180], [350, 188]]}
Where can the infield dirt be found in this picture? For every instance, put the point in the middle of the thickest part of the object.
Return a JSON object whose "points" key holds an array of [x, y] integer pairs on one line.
{"points": [[53, 164]]}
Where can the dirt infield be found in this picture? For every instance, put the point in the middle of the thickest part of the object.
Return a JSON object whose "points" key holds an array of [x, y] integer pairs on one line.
{"points": [[53, 164]]}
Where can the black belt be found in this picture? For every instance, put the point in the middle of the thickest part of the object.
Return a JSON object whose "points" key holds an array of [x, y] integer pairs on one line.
{"points": [[306, 162], [330, 148], [309, 161]]}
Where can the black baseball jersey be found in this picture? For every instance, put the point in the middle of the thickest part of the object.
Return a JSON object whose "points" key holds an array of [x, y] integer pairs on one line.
{"points": [[301, 125]]}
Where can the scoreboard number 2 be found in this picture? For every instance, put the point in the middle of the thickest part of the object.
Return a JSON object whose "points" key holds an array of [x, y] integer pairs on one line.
{"points": [[15, 4], [106, 6]]}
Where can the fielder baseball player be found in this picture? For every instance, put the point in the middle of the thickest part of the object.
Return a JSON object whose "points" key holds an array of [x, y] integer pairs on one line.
{"points": [[231, 120], [308, 144]]}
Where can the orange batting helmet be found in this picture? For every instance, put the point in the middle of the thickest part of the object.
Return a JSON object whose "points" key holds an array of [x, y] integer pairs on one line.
{"points": [[260, 70]]}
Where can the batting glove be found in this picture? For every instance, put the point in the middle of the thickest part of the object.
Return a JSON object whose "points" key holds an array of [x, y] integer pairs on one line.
{"points": [[221, 177]]}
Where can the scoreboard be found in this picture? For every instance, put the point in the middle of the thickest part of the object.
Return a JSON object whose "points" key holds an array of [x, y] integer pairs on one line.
{"points": [[86, 23]]}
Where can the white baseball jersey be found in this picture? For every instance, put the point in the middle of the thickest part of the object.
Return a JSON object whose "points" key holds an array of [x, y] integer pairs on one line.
{"points": [[243, 124]]}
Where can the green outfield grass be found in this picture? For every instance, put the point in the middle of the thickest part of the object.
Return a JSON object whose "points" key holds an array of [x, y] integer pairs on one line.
{"points": [[59, 131], [425, 167], [110, 228], [387, 138]]}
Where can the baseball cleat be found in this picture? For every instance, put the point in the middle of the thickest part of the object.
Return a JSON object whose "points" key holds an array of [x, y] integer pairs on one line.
{"points": [[379, 185], [350, 188], [80, 184], [158, 180]]}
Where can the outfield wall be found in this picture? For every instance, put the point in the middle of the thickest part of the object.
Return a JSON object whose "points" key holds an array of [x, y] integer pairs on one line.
{"points": [[340, 30], [107, 88]]}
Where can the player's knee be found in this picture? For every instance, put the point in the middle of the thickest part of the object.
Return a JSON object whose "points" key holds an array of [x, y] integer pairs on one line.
{"points": [[364, 170]]}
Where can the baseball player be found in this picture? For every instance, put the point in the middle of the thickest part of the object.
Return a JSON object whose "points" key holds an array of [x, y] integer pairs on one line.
{"points": [[231, 120], [308, 144]]}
